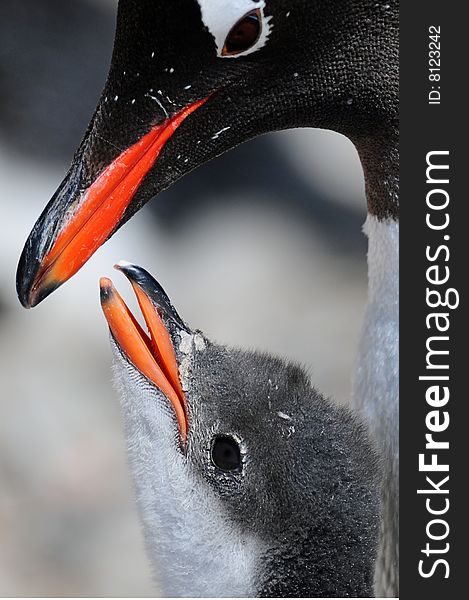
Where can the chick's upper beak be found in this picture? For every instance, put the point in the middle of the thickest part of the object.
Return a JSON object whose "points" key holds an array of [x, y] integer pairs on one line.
{"points": [[153, 353]]}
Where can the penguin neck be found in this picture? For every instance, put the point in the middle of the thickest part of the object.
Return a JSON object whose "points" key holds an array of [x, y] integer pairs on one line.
{"points": [[294, 571], [379, 156], [378, 354], [376, 382]]}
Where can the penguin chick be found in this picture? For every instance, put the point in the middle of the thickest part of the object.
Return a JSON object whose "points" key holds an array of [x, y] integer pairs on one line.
{"points": [[248, 481]]}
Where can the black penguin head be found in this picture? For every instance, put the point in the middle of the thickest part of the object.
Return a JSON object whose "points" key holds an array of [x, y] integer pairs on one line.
{"points": [[249, 482], [191, 79]]}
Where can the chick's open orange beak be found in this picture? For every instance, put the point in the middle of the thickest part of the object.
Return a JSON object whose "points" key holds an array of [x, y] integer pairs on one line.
{"points": [[151, 353]]}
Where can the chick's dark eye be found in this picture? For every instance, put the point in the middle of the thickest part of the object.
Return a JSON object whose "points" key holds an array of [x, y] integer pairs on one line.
{"points": [[225, 453], [244, 34]]}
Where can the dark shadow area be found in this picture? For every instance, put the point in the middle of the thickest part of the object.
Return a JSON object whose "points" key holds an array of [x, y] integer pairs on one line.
{"points": [[54, 56]]}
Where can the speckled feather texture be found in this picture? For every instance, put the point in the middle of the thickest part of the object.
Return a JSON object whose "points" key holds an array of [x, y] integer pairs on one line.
{"points": [[301, 518], [332, 65]]}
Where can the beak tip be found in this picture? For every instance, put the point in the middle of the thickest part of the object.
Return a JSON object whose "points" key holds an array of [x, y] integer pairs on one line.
{"points": [[24, 276], [106, 289], [30, 297], [123, 264], [37, 295], [130, 270], [30, 289], [23, 295]]}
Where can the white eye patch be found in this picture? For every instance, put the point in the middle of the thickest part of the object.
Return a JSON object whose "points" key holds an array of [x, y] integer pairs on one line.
{"points": [[220, 16]]}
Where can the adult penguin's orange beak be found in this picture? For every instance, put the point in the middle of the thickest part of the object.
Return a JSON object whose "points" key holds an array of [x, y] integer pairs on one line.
{"points": [[77, 222]]}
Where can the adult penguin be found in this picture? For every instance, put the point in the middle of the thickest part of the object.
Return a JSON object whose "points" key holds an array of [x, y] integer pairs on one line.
{"points": [[190, 79]]}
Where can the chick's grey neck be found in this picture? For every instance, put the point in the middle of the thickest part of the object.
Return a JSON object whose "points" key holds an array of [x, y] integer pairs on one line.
{"points": [[309, 562]]}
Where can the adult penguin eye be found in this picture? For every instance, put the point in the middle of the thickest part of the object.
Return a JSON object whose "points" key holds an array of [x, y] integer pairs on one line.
{"points": [[244, 34], [225, 453]]}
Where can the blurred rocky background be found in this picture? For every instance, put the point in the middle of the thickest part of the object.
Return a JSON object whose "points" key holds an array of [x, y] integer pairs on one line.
{"points": [[261, 248]]}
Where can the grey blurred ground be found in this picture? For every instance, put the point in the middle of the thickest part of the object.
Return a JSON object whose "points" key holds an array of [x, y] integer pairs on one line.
{"points": [[277, 263]]}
